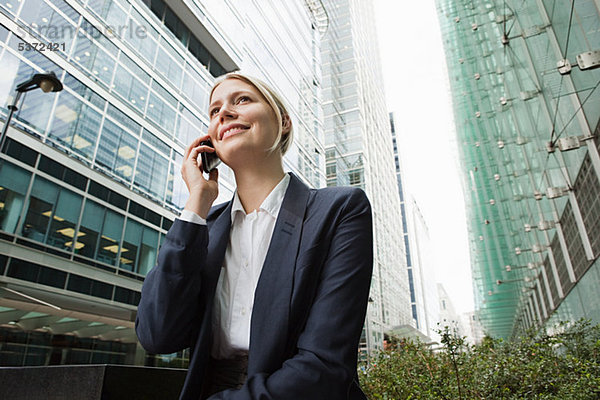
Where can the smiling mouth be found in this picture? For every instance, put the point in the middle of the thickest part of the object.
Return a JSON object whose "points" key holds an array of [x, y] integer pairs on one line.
{"points": [[233, 131]]}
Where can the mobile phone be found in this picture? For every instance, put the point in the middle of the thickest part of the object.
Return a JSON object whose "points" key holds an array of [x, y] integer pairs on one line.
{"points": [[210, 161]]}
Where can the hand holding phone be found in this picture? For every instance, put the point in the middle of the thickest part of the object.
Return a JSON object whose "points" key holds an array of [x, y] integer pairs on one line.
{"points": [[210, 161]]}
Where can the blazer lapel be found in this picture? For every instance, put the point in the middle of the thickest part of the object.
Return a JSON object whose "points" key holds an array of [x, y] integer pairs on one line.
{"points": [[217, 243], [270, 313]]}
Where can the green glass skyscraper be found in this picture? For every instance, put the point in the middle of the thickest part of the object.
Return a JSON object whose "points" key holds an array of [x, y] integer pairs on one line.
{"points": [[524, 78]]}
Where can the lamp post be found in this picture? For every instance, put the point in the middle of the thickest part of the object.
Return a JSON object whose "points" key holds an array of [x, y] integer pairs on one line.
{"points": [[48, 82]]}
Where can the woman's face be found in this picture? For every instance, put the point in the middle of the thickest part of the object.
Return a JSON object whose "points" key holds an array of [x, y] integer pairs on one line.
{"points": [[243, 126]]}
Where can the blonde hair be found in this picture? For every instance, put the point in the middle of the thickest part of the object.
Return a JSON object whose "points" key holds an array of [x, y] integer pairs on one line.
{"points": [[282, 142]]}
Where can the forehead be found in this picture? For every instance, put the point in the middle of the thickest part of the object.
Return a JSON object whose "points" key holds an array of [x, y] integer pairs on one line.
{"points": [[232, 85]]}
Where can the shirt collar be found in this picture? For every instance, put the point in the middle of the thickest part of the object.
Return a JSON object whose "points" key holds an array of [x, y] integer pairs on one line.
{"points": [[271, 204]]}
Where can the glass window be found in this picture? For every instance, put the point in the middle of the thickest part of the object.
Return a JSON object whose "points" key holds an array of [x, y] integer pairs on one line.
{"points": [[176, 190], [199, 51], [64, 220], [131, 244], [112, 231], [101, 289], [169, 63], [21, 269], [36, 108], [195, 88], [127, 296], [89, 231], [76, 86], [40, 208], [31, 272], [148, 251], [110, 11], [139, 248], [52, 214], [79, 284], [12, 192], [12, 75], [161, 113], [75, 124], [143, 38], [3, 33], [43, 19], [156, 142], [176, 26], [151, 171], [147, 215], [52, 277], [157, 7], [135, 69], [117, 150], [166, 225], [18, 151], [130, 88], [123, 119], [66, 9], [164, 94], [108, 195], [189, 127], [94, 59], [61, 172]]}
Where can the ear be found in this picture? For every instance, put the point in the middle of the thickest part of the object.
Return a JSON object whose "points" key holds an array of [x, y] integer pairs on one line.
{"points": [[286, 124]]}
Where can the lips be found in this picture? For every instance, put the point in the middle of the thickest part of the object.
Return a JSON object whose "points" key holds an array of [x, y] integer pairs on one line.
{"points": [[231, 129]]}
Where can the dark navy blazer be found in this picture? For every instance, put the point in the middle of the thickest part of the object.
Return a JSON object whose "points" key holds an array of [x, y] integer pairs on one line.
{"points": [[309, 305]]}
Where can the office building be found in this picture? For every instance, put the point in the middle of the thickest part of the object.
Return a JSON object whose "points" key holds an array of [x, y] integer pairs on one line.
{"points": [[419, 252], [423, 271], [449, 318], [473, 331], [359, 153], [89, 176], [524, 78]]}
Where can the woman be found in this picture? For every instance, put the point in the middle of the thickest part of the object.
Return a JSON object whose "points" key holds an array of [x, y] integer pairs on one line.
{"points": [[270, 289]]}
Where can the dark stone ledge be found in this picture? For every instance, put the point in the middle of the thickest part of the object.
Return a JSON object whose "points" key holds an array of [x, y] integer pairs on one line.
{"points": [[90, 382]]}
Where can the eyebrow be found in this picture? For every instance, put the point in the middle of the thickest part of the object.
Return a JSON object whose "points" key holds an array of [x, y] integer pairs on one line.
{"points": [[234, 94]]}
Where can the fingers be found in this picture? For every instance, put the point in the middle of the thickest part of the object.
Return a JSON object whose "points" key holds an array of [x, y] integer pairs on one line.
{"points": [[195, 143], [193, 156]]}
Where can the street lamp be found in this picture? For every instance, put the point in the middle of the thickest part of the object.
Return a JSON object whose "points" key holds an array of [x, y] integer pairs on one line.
{"points": [[48, 82]]}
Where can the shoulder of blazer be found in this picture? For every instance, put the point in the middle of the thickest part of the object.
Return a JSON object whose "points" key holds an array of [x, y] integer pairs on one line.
{"points": [[340, 195]]}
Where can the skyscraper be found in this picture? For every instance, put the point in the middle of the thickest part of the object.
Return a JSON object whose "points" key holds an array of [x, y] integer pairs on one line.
{"points": [[420, 266], [525, 79], [89, 177], [359, 153]]}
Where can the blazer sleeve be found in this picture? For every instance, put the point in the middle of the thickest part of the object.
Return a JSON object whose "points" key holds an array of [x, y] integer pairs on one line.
{"points": [[168, 309], [325, 364]]}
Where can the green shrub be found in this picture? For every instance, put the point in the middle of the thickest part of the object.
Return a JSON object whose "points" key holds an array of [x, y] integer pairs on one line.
{"points": [[564, 365]]}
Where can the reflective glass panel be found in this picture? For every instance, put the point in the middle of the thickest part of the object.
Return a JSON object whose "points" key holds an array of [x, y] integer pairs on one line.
{"points": [[117, 150], [14, 182], [91, 226], [151, 171], [131, 245], [112, 231], [75, 124]]}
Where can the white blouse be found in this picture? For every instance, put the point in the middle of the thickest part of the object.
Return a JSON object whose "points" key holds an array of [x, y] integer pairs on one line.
{"points": [[249, 241]]}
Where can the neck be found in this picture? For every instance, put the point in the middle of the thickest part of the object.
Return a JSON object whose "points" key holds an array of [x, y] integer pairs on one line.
{"points": [[255, 184]]}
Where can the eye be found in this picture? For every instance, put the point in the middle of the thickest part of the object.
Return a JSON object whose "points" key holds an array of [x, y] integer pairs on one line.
{"points": [[243, 99], [213, 111]]}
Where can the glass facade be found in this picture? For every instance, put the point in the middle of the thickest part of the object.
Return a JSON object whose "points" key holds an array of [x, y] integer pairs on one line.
{"points": [[359, 153], [527, 126], [420, 267], [90, 177]]}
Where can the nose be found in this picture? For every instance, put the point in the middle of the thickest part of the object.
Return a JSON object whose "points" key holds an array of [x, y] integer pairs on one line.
{"points": [[226, 112]]}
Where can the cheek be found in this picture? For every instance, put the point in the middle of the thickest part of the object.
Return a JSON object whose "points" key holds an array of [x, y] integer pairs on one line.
{"points": [[212, 130]]}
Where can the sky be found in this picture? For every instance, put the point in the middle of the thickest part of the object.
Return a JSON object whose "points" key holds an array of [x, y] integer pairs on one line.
{"points": [[417, 92]]}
